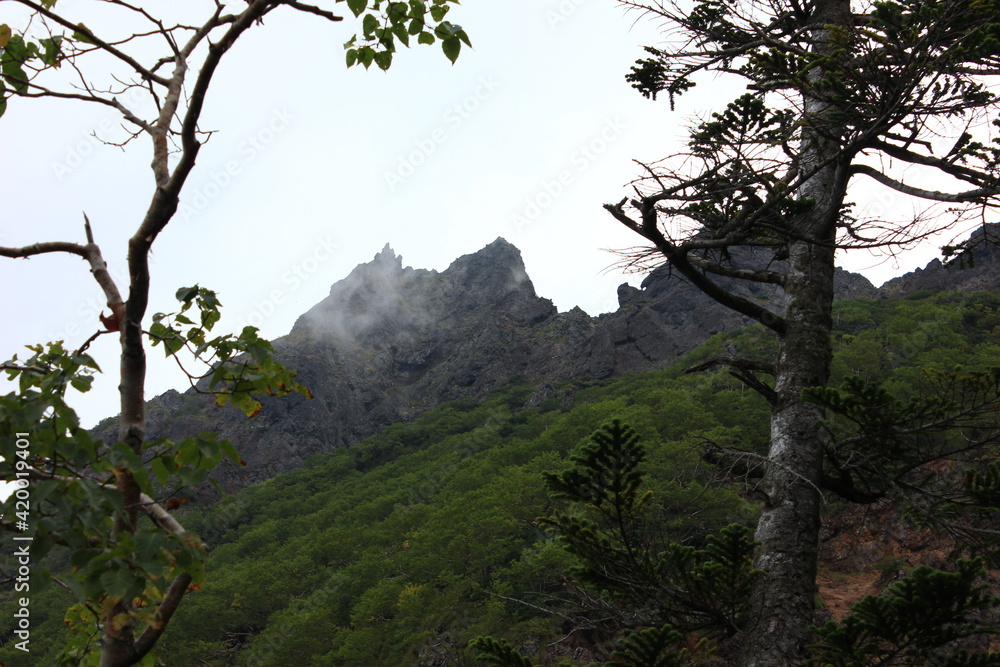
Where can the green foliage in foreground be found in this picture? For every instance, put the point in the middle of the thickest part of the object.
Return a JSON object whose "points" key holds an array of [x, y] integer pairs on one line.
{"points": [[642, 576], [407, 559], [653, 647], [919, 618], [614, 526], [71, 503], [403, 549]]}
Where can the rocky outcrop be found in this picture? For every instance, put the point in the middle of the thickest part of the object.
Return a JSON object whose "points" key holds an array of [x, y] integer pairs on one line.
{"points": [[668, 317], [973, 267], [390, 342]]}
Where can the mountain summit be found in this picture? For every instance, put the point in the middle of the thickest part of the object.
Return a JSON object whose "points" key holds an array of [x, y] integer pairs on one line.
{"points": [[390, 342]]}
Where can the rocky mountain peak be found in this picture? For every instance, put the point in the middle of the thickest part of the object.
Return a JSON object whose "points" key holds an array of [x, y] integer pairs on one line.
{"points": [[367, 294], [382, 296], [387, 257], [494, 277], [390, 342]]}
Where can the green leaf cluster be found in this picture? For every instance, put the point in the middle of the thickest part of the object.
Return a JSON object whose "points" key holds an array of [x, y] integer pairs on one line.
{"points": [[17, 53], [384, 23], [242, 365], [70, 477]]}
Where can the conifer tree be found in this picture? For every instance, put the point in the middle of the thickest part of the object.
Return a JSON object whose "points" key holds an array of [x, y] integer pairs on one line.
{"points": [[918, 620], [623, 551], [655, 588], [837, 93]]}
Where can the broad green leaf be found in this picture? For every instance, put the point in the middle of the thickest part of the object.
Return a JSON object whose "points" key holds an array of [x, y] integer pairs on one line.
{"points": [[79, 36], [366, 54], [13, 71], [383, 59], [397, 12], [369, 24], [82, 383], [400, 31], [438, 12], [451, 47], [185, 294], [209, 299], [159, 468], [357, 6], [118, 582], [52, 54]]}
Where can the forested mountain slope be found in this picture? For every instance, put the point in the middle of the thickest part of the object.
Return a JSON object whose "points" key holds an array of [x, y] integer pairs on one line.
{"points": [[391, 342], [401, 550]]}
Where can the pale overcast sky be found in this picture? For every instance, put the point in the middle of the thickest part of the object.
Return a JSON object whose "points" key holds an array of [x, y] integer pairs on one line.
{"points": [[314, 168]]}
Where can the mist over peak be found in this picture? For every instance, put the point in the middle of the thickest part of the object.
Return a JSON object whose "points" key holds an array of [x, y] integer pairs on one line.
{"points": [[390, 342], [382, 296]]}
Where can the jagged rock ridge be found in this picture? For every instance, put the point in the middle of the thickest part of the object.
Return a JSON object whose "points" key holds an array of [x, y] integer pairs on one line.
{"points": [[390, 342], [972, 268]]}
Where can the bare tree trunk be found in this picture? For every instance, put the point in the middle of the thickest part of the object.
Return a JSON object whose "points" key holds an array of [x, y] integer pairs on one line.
{"points": [[788, 531], [118, 642]]}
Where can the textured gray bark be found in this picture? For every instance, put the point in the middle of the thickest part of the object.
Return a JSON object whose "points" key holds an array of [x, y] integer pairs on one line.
{"points": [[788, 530]]}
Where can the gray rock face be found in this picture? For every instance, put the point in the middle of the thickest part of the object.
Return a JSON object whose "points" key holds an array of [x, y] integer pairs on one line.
{"points": [[387, 344], [973, 268], [390, 342]]}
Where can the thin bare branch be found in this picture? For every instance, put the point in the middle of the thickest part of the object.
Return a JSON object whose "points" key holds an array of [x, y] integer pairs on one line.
{"points": [[95, 40], [980, 196]]}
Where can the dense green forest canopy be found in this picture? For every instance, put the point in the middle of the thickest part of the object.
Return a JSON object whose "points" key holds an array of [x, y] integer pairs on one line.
{"points": [[404, 549]]}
